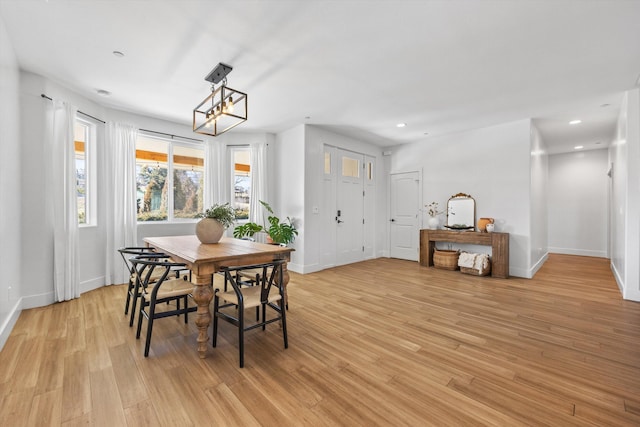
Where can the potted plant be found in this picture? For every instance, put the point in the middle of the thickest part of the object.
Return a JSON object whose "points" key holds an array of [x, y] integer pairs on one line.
{"points": [[281, 232], [214, 221]]}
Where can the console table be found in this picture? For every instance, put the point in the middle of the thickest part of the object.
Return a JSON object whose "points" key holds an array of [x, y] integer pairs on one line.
{"points": [[499, 243]]}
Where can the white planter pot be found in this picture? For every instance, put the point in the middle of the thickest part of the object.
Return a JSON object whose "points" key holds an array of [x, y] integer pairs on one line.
{"points": [[433, 223], [209, 230]]}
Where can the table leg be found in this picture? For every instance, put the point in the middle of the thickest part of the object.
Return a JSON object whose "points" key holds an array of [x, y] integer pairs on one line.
{"points": [[202, 295]]}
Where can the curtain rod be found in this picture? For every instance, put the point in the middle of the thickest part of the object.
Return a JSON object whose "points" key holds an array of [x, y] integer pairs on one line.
{"points": [[81, 112], [142, 130], [170, 134]]}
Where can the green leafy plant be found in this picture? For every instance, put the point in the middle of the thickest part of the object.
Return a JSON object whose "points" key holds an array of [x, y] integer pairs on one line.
{"points": [[224, 214], [283, 232]]}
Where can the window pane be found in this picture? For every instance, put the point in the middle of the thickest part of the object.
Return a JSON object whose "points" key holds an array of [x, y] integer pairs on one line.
{"points": [[350, 167], [327, 163], [151, 186], [188, 177], [80, 140], [242, 182]]}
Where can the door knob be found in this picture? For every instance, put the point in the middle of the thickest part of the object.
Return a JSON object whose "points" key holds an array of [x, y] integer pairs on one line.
{"points": [[392, 220]]}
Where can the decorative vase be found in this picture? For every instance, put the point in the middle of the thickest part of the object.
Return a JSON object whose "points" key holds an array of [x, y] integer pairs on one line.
{"points": [[433, 222], [482, 224], [490, 227], [208, 230]]}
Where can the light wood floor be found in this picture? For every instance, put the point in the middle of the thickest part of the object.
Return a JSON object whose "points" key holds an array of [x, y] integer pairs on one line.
{"points": [[383, 342]]}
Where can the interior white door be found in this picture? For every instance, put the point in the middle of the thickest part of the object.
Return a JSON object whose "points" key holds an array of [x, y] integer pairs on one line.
{"points": [[405, 217], [349, 208]]}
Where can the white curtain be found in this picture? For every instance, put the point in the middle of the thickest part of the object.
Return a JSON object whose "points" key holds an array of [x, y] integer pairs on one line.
{"points": [[258, 181], [121, 209], [61, 200], [216, 175]]}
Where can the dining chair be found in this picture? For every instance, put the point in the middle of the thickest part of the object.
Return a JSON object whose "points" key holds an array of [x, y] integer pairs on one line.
{"points": [[247, 277], [268, 292], [167, 288], [126, 253], [133, 288]]}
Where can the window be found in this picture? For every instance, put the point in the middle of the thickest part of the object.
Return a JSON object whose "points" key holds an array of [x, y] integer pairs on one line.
{"points": [[84, 142], [350, 167], [241, 193], [327, 163], [162, 165]]}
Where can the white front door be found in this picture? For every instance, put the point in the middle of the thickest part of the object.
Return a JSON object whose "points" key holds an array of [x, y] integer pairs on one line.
{"points": [[405, 217], [349, 215]]}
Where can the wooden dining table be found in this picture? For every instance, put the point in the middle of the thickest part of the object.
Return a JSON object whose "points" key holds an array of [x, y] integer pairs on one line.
{"points": [[205, 259]]}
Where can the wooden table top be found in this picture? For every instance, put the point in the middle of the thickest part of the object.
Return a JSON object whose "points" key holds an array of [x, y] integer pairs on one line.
{"points": [[190, 250]]}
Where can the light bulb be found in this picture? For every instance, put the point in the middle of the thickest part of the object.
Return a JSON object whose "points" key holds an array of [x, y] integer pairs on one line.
{"points": [[230, 105]]}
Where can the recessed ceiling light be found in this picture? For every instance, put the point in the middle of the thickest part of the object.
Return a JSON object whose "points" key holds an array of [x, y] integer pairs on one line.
{"points": [[103, 92], [426, 133], [118, 54], [575, 122], [401, 125], [598, 142], [605, 105], [578, 147]]}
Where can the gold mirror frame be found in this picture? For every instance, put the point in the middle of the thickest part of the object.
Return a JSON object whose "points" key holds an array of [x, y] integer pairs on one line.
{"points": [[461, 212]]}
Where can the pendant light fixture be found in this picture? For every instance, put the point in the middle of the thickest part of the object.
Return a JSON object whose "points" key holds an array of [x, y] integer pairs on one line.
{"points": [[224, 109]]}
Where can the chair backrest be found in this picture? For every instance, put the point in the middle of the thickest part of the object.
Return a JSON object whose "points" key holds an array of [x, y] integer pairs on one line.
{"points": [[145, 265], [127, 252], [267, 275]]}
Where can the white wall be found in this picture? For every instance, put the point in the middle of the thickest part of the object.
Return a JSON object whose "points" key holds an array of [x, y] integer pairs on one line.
{"points": [[624, 154], [37, 242], [493, 166], [10, 188], [539, 202], [578, 203], [289, 192]]}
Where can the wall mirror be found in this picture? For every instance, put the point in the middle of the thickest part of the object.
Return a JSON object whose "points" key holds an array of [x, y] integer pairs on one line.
{"points": [[461, 212]]}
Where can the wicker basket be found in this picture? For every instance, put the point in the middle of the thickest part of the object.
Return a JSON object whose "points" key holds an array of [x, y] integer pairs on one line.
{"points": [[476, 272], [445, 259]]}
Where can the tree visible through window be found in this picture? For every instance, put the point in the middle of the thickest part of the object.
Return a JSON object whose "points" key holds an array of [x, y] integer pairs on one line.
{"points": [[241, 181], [162, 165], [84, 144]]}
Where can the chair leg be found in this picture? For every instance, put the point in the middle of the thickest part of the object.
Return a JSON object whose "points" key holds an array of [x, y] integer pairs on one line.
{"points": [[129, 289], [140, 316], [136, 290], [214, 338], [147, 344], [283, 317], [241, 335], [186, 310]]}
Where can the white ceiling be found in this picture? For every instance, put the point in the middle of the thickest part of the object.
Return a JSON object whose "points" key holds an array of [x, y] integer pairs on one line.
{"points": [[357, 67]]}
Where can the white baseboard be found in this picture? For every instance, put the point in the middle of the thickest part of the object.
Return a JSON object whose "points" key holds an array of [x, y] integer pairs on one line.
{"points": [[618, 277], [580, 252], [9, 322], [90, 285], [539, 264], [33, 301]]}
